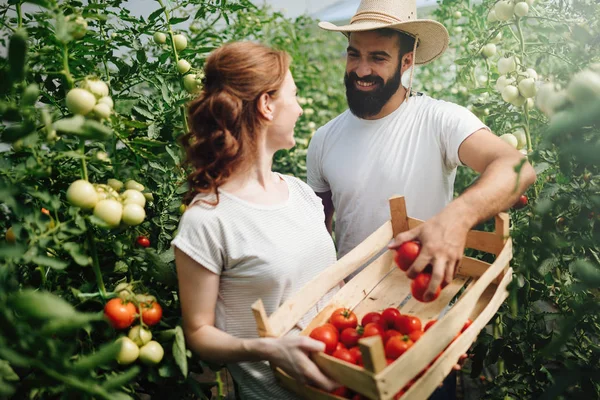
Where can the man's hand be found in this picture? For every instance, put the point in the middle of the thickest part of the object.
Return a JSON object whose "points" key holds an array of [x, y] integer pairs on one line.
{"points": [[443, 239]]}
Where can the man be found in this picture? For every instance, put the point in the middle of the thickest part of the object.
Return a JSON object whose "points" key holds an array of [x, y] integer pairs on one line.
{"points": [[388, 143]]}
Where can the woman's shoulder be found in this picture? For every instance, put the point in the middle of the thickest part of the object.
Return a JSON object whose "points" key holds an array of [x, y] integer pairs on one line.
{"points": [[302, 188]]}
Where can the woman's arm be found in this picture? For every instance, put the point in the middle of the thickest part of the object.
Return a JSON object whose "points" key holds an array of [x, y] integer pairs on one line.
{"points": [[198, 291]]}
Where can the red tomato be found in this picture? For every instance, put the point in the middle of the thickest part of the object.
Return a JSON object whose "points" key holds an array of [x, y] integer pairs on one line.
{"points": [[349, 337], [345, 355], [396, 346], [326, 335], [143, 241], [339, 346], [389, 333], [342, 391], [119, 313], [151, 313], [372, 329], [407, 323], [429, 325], [406, 254], [390, 315], [357, 354], [522, 202], [372, 317], [466, 325], [343, 318], [398, 395], [415, 335], [419, 285]]}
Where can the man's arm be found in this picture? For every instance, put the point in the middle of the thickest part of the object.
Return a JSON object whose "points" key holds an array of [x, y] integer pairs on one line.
{"points": [[443, 237], [328, 204]]}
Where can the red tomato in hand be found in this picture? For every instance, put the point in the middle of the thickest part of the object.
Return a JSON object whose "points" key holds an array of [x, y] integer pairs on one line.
{"points": [[372, 329], [406, 254], [349, 337], [389, 316], [372, 317], [407, 324], [151, 313], [326, 335], [429, 325], [345, 355], [357, 354], [396, 346], [419, 285], [343, 318], [119, 313]]}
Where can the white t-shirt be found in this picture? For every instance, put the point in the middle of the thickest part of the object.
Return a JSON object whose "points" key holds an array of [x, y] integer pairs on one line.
{"points": [[259, 251], [411, 152]]}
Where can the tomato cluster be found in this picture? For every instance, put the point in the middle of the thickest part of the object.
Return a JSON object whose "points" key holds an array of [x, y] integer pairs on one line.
{"points": [[397, 331], [406, 254]]}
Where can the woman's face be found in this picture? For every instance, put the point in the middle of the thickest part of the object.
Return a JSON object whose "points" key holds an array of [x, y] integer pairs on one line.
{"points": [[286, 111]]}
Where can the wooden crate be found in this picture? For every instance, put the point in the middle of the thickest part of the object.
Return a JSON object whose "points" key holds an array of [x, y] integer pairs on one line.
{"points": [[382, 284]]}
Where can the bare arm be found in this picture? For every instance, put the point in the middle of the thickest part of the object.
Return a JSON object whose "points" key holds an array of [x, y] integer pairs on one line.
{"points": [[443, 237], [328, 204], [198, 291]]}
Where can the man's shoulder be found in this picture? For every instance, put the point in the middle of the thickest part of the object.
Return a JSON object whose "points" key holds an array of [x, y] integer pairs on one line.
{"points": [[332, 126]]}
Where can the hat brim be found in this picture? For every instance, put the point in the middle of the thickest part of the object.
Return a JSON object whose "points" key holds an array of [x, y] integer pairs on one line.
{"points": [[433, 36]]}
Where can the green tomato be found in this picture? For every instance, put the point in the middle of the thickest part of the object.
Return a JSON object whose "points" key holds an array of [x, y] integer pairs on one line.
{"points": [[518, 101], [489, 50], [78, 26], [115, 184], [160, 38], [521, 9], [151, 353], [527, 87], [131, 196], [131, 184], [139, 335], [183, 66], [510, 93], [102, 111], [507, 65], [504, 10], [457, 14], [502, 82], [96, 87], [82, 194], [492, 17], [521, 138], [180, 42], [129, 351], [80, 101], [149, 196], [190, 84], [110, 211], [510, 139], [108, 101], [133, 214]]}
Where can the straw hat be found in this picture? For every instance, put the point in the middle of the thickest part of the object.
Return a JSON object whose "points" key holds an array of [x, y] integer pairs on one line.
{"points": [[400, 15]]}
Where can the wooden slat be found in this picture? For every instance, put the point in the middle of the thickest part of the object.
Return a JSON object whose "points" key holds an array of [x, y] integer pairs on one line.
{"points": [[475, 268], [502, 228], [373, 354], [398, 214], [488, 303], [290, 312], [442, 333], [352, 376], [307, 392], [262, 321]]}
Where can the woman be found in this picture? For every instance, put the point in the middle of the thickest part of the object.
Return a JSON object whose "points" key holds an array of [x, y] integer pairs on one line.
{"points": [[248, 232]]}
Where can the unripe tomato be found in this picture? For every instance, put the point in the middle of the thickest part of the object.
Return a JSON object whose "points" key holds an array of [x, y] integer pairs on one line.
{"points": [[492, 17], [190, 84], [406, 254], [160, 38], [108, 101], [510, 93], [489, 50], [129, 351], [77, 27], [143, 241], [102, 111], [133, 214], [584, 87], [419, 285], [518, 101], [183, 66], [119, 313], [96, 87], [132, 196], [527, 87], [521, 138], [457, 14], [115, 184], [82, 194], [182, 208], [110, 211], [151, 353], [510, 139], [10, 235], [502, 82], [180, 42], [80, 101], [131, 184], [151, 313], [497, 38], [521, 9], [148, 196], [139, 335], [507, 65], [504, 10]]}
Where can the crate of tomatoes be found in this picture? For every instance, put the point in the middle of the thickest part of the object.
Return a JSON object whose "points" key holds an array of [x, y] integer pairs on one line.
{"points": [[382, 341]]}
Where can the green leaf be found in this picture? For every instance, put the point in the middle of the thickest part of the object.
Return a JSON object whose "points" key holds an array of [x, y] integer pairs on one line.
{"points": [[48, 4], [462, 61], [179, 351], [105, 355], [60, 326], [40, 305], [17, 53], [143, 112], [6, 372], [8, 250], [586, 272], [155, 14], [121, 267], [51, 262], [72, 125], [77, 253], [117, 381], [179, 20]]}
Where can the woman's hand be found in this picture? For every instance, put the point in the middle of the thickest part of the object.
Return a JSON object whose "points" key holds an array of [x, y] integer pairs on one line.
{"points": [[292, 354]]}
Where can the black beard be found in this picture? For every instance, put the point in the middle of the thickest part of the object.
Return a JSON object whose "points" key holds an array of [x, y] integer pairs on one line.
{"points": [[367, 104]]}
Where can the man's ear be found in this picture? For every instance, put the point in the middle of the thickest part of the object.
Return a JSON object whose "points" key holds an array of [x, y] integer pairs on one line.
{"points": [[265, 106], [407, 61]]}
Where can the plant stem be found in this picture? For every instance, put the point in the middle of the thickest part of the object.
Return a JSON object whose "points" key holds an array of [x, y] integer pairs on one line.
{"points": [[19, 15], [219, 385], [67, 71], [96, 264], [84, 172]]}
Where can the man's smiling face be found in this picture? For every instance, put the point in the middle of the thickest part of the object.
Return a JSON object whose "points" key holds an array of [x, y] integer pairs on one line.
{"points": [[372, 71]]}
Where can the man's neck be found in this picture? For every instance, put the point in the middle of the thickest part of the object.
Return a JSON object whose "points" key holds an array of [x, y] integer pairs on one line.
{"points": [[392, 105]]}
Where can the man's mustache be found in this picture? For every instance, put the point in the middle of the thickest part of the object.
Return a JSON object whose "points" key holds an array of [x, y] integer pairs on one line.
{"points": [[353, 77]]}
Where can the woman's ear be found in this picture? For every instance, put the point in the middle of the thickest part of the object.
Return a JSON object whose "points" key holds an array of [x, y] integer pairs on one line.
{"points": [[265, 106]]}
